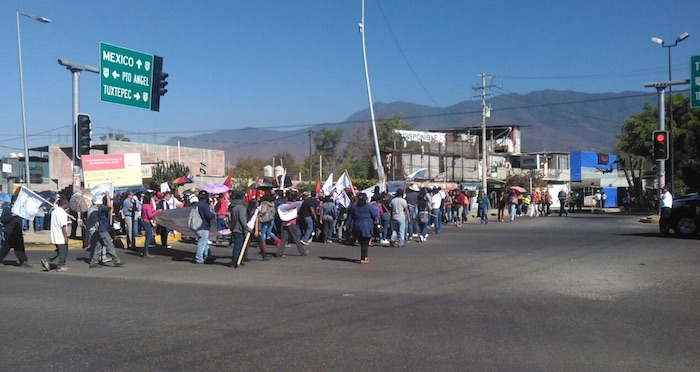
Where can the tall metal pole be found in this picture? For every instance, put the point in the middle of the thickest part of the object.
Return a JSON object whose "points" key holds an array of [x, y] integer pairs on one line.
{"points": [[484, 114], [670, 125], [77, 163], [75, 70], [380, 167], [680, 38], [27, 180], [661, 163]]}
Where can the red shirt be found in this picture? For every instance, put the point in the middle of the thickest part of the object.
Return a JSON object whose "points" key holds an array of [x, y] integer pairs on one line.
{"points": [[221, 207]]}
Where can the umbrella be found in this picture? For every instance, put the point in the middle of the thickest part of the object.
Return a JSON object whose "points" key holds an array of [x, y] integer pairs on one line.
{"points": [[260, 185], [80, 203], [182, 180], [215, 188], [518, 189]]}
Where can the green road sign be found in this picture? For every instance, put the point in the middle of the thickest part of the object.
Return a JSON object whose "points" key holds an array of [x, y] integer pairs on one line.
{"points": [[695, 81], [126, 76]]}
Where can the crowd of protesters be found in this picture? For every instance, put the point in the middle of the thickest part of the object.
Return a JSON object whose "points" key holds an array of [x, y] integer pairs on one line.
{"points": [[386, 219]]}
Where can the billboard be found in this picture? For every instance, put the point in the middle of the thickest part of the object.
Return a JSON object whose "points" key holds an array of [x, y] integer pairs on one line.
{"points": [[121, 170]]}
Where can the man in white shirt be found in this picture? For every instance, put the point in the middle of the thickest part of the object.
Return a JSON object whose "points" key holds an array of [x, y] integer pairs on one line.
{"points": [[59, 237], [666, 199], [435, 205], [665, 205]]}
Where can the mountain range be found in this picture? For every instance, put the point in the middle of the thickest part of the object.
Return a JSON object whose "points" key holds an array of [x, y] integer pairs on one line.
{"points": [[550, 120]]}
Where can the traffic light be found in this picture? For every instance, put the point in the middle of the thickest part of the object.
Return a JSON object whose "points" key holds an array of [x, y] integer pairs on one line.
{"points": [[660, 139], [84, 134], [159, 83]]}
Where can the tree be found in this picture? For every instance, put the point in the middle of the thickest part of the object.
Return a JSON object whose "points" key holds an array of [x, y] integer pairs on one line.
{"points": [[116, 137], [326, 142], [523, 180], [386, 135], [287, 161], [164, 172], [635, 148], [247, 169], [357, 155]]}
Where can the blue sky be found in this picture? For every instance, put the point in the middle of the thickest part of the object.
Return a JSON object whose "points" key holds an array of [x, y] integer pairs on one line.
{"points": [[283, 64]]}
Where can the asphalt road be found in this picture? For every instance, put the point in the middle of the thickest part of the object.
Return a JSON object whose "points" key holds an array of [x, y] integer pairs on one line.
{"points": [[583, 293]]}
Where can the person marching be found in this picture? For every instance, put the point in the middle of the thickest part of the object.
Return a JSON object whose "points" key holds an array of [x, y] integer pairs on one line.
{"points": [[363, 217], [104, 239], [59, 237], [13, 238]]}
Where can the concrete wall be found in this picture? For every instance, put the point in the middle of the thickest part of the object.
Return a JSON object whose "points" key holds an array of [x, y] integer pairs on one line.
{"points": [[61, 168]]}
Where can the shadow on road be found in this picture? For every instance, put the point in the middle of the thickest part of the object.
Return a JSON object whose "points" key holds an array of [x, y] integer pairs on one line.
{"points": [[341, 259]]}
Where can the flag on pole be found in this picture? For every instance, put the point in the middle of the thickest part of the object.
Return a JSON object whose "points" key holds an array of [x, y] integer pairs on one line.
{"points": [[343, 183], [97, 190], [227, 182], [27, 204], [251, 221], [327, 187], [318, 187], [342, 199]]}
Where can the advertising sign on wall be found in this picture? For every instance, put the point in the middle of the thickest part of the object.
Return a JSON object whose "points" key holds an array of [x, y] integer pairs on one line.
{"points": [[120, 169]]}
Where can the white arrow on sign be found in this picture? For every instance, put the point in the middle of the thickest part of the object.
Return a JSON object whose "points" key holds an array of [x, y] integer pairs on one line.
{"points": [[115, 74], [137, 96], [138, 63]]}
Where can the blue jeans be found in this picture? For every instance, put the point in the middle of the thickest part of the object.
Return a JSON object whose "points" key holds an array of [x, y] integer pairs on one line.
{"points": [[148, 230], [38, 223], [412, 226], [511, 211], [398, 227], [266, 231], [328, 230], [309, 223], [484, 212], [237, 239], [220, 225], [386, 225], [202, 246], [437, 220], [424, 225]]}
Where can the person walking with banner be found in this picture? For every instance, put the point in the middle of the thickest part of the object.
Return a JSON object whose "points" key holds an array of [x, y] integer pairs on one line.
{"points": [[12, 229], [237, 217], [104, 239]]}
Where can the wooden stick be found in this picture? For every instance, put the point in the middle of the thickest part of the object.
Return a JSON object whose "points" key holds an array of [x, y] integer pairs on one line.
{"points": [[245, 245]]}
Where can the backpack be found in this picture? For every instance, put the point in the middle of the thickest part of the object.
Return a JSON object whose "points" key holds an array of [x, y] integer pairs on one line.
{"points": [[268, 214], [195, 220]]}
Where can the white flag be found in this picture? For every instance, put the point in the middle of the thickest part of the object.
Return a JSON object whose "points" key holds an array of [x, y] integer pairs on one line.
{"points": [[251, 221], [27, 204], [343, 199], [98, 190], [327, 187], [343, 183]]}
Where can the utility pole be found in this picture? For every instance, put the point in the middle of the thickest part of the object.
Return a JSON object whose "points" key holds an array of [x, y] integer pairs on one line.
{"points": [[75, 70], [310, 161], [661, 89], [485, 112]]}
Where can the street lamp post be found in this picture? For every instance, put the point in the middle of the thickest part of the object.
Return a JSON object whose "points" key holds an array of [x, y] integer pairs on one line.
{"points": [[21, 92], [656, 40]]}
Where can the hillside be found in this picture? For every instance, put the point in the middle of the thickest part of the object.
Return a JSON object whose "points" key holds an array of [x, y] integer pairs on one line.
{"points": [[550, 120]]}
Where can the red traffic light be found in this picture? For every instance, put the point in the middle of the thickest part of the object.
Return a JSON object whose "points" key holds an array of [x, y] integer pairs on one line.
{"points": [[660, 137]]}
